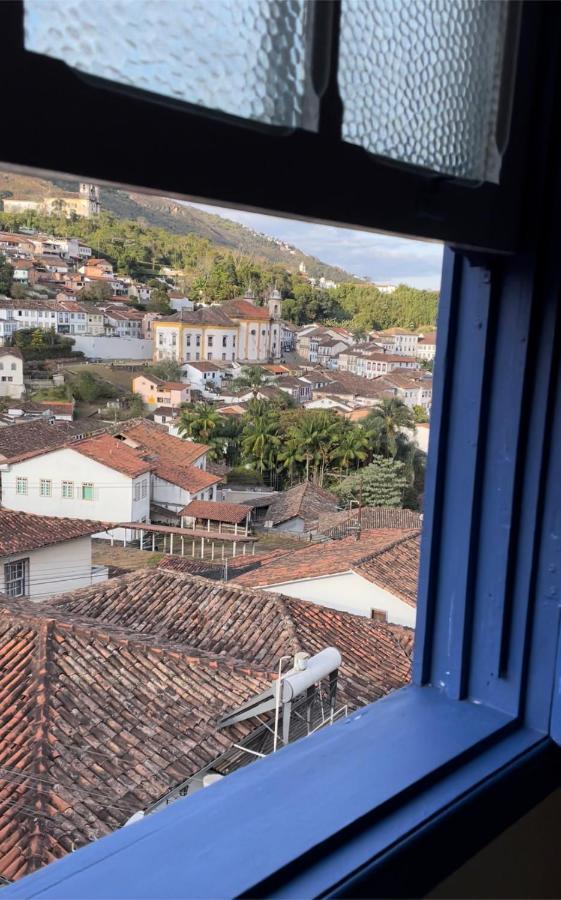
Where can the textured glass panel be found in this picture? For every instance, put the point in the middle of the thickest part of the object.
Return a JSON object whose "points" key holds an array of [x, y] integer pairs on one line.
{"points": [[244, 57], [420, 81]]}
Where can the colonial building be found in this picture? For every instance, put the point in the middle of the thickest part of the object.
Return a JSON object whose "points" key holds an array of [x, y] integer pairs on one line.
{"points": [[86, 203], [235, 330]]}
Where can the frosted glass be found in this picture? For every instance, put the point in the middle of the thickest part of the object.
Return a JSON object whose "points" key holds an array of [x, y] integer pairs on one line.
{"points": [[244, 57], [420, 81]]}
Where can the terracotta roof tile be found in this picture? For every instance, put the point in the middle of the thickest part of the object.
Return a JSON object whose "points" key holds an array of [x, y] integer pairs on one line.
{"points": [[20, 531], [315, 560], [244, 309], [190, 478], [304, 501], [232, 513], [34, 438], [108, 451], [109, 696], [333, 523], [395, 567], [253, 626], [157, 439]]}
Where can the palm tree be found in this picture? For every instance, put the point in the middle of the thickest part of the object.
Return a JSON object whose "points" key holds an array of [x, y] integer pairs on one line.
{"points": [[352, 447], [199, 421], [250, 378], [260, 438], [316, 434], [384, 422]]}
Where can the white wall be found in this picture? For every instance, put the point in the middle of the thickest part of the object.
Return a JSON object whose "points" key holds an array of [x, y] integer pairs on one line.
{"points": [[106, 347], [113, 492], [174, 497], [59, 568], [350, 593]]}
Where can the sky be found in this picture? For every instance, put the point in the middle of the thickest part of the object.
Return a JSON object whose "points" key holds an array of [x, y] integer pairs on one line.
{"points": [[379, 257]]}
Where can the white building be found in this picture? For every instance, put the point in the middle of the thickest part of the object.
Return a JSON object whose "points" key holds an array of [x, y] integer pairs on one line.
{"points": [[11, 373], [18, 314], [202, 375], [41, 555], [235, 330], [400, 341], [375, 576], [98, 478], [426, 347]]}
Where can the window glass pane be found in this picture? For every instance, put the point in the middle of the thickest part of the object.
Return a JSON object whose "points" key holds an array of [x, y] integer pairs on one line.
{"points": [[420, 81], [87, 492], [244, 58]]}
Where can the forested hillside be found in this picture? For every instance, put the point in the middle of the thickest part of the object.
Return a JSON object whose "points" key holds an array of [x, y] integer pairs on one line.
{"points": [[177, 218], [210, 271]]}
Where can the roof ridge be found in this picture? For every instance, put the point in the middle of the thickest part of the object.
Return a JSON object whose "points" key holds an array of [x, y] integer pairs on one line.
{"points": [[41, 754], [411, 534], [79, 624]]}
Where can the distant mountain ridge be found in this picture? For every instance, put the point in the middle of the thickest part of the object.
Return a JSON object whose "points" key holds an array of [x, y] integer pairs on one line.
{"points": [[179, 218]]}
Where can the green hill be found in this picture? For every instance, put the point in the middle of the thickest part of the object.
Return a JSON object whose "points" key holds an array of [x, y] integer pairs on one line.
{"points": [[181, 219]]}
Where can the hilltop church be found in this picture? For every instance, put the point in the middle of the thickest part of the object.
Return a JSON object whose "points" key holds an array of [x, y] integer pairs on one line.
{"points": [[85, 203]]}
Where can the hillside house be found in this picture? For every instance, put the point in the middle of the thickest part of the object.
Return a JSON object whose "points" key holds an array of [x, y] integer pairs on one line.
{"points": [[41, 554], [11, 373], [426, 347], [157, 392], [203, 375]]}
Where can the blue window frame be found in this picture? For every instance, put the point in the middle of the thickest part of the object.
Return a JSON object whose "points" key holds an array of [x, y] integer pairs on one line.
{"points": [[331, 814]]}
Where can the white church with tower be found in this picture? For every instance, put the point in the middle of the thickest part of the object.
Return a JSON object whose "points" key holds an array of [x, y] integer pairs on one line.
{"points": [[85, 203]]}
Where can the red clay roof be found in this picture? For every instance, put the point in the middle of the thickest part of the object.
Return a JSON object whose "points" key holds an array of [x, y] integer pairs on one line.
{"points": [[370, 517], [244, 309], [395, 567], [37, 437], [98, 721], [253, 626], [156, 438], [304, 501], [233, 513], [110, 695], [174, 386], [190, 478], [110, 452], [317, 560], [20, 531]]}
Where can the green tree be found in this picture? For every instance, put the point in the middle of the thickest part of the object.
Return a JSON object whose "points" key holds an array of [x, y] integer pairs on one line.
{"points": [[382, 483], [37, 339], [199, 421], [87, 388], [96, 292], [260, 441], [6, 276], [159, 301], [167, 370], [251, 378], [420, 414], [352, 447], [384, 422]]}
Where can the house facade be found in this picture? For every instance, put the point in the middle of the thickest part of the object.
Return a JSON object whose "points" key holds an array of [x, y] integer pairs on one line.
{"points": [[235, 330], [39, 554], [94, 479], [156, 392], [11, 373]]}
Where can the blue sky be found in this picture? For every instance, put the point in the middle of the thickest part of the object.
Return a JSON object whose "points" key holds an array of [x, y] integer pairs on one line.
{"points": [[380, 257]]}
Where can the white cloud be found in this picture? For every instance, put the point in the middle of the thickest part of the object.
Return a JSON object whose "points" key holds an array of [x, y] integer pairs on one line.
{"points": [[377, 256]]}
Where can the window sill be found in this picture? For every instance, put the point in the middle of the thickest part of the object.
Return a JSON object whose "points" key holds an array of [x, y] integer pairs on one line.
{"points": [[305, 820]]}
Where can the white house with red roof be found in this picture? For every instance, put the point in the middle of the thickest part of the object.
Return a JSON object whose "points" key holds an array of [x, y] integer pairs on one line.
{"points": [[42, 555]]}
